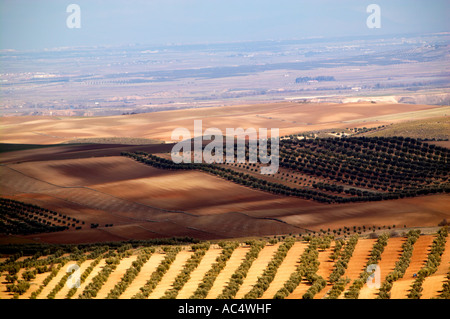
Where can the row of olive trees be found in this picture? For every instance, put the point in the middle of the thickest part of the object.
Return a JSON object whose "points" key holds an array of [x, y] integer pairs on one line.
{"points": [[338, 244], [400, 266], [185, 274], [209, 278], [433, 261], [63, 280], [83, 276], [239, 275], [341, 265], [338, 288], [114, 258], [21, 218], [47, 279], [97, 256], [316, 281], [353, 162], [375, 256], [308, 265], [236, 177], [269, 273], [445, 294], [131, 273], [156, 276]]}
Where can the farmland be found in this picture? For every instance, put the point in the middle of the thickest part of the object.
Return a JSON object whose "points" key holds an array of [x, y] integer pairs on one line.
{"points": [[351, 191], [299, 267]]}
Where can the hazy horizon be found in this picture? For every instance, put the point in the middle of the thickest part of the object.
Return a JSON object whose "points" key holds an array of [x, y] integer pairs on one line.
{"points": [[37, 25]]}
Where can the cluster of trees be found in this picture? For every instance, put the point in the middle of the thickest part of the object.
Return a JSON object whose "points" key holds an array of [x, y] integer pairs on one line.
{"points": [[329, 187], [320, 78], [403, 166], [16, 251], [113, 259], [239, 275], [269, 273], [445, 294], [131, 273], [18, 288], [433, 261], [361, 130], [192, 263], [338, 244], [317, 284], [21, 286], [32, 265], [341, 264], [156, 276], [208, 279], [338, 288], [400, 266], [375, 256], [28, 275], [389, 168], [22, 219]]}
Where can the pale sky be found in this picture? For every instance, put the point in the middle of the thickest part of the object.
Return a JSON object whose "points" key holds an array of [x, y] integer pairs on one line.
{"points": [[38, 24]]}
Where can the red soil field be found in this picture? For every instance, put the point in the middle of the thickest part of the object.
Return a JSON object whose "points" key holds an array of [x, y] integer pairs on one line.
{"points": [[401, 287], [358, 261], [325, 269], [432, 285], [389, 257]]}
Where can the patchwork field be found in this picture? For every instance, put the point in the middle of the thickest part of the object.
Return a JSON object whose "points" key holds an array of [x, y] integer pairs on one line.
{"points": [[289, 117]]}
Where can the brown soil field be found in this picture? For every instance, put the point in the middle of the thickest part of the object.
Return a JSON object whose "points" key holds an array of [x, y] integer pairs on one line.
{"points": [[389, 257], [419, 211], [224, 276], [198, 273], [256, 269], [287, 267], [154, 211], [290, 117], [144, 202], [401, 287], [65, 152], [91, 182]]}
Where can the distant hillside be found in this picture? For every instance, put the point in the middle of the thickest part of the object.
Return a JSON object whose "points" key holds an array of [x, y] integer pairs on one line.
{"points": [[437, 128], [115, 140]]}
